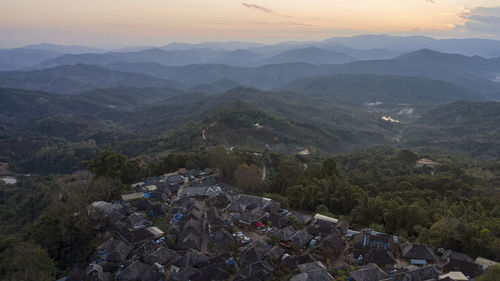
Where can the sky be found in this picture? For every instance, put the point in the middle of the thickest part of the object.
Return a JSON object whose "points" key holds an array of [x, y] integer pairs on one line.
{"points": [[119, 23]]}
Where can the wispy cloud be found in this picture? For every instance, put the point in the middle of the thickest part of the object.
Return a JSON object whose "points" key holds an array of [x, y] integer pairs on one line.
{"points": [[288, 23], [257, 7], [481, 14], [481, 20]]}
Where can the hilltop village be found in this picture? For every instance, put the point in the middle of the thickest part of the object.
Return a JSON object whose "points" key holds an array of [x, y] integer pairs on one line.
{"points": [[187, 226]]}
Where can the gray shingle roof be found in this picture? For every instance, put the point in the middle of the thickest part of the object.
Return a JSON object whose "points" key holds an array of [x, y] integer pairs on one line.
{"points": [[417, 251]]}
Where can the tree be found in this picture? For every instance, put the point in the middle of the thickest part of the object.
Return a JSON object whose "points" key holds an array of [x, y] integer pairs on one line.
{"points": [[108, 164], [249, 178], [226, 162], [27, 262], [329, 168], [115, 166], [407, 156]]}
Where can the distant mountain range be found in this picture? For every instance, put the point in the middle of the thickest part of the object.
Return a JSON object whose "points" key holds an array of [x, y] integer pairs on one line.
{"points": [[336, 50], [476, 74], [14, 59], [311, 55], [64, 49], [79, 78]]}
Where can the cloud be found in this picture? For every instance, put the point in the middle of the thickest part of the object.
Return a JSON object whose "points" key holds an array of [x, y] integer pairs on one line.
{"points": [[481, 14], [284, 23], [482, 19], [257, 7]]}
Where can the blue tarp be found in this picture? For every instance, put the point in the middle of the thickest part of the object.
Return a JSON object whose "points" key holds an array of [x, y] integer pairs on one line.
{"points": [[418, 262]]}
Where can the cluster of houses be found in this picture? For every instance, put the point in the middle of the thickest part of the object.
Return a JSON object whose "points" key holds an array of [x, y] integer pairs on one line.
{"points": [[185, 226]]}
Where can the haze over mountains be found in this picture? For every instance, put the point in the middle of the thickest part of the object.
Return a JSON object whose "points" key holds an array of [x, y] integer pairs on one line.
{"points": [[328, 96], [344, 49]]}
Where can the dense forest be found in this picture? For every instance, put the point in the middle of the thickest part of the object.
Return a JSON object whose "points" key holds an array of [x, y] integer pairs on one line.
{"points": [[451, 205]]}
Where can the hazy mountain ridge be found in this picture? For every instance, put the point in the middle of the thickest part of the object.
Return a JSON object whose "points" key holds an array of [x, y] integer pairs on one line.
{"points": [[311, 55], [14, 59], [372, 88], [72, 79], [362, 47], [218, 87]]}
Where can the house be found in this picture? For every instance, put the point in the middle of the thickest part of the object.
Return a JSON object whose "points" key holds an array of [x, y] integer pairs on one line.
{"points": [[321, 227], [370, 272], [190, 258], [143, 204], [291, 263], [302, 239], [222, 238], [212, 272], [300, 217], [381, 257], [145, 249], [187, 273], [485, 263], [253, 254], [273, 206], [132, 196], [192, 226], [136, 220], [313, 271], [222, 200], [367, 239], [331, 245], [419, 254], [150, 188], [102, 210], [200, 191], [157, 233], [137, 271], [190, 241], [453, 276], [251, 216], [162, 256], [176, 179], [252, 202], [460, 262], [274, 254], [374, 247], [158, 210], [260, 270], [278, 220], [116, 251], [236, 207], [325, 218], [421, 274], [96, 273], [216, 267], [135, 237], [217, 219], [284, 234]]}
